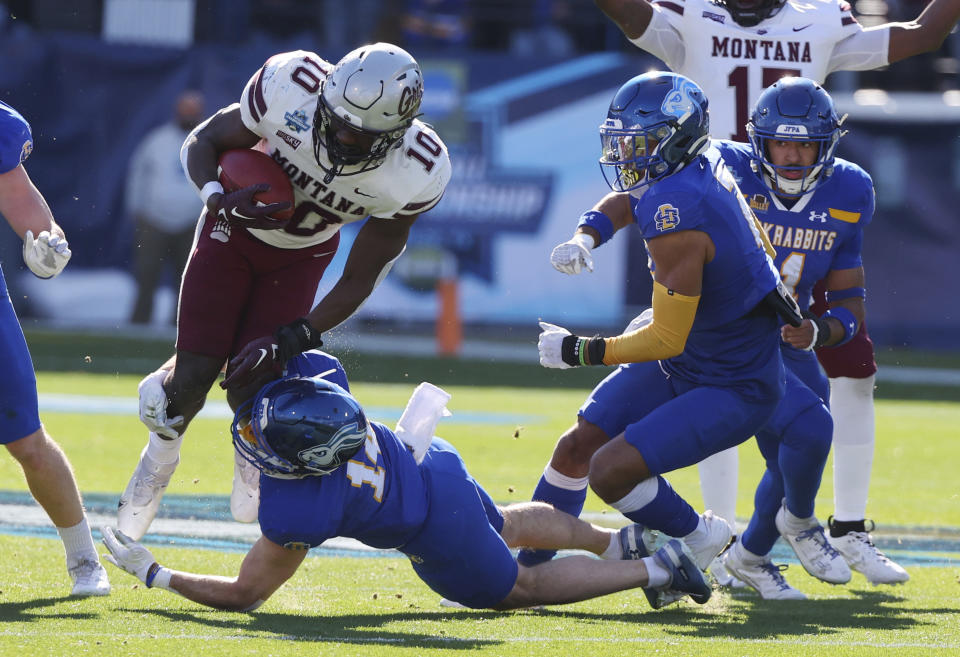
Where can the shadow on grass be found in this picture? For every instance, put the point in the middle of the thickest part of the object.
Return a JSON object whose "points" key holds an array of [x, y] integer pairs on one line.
{"points": [[360, 629], [747, 616], [21, 612], [743, 616]]}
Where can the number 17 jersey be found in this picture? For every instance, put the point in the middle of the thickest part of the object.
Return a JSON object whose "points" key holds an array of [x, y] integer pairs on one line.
{"points": [[734, 64]]}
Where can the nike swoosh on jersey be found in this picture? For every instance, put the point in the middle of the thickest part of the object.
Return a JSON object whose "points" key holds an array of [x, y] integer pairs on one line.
{"points": [[797, 29], [320, 255], [356, 190]]}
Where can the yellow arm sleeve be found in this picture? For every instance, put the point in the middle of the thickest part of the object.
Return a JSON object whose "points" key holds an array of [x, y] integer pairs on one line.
{"points": [[767, 246], [664, 337]]}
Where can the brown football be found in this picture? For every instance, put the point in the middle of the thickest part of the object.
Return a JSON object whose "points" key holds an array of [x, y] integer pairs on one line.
{"points": [[243, 167]]}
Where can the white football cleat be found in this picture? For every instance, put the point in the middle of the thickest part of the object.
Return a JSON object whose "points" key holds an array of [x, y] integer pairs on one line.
{"points": [[89, 578], [723, 576], [706, 547], [245, 496], [764, 577], [810, 544], [141, 499], [862, 555]]}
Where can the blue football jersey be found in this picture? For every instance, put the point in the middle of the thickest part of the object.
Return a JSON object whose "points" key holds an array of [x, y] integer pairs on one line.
{"points": [[728, 344], [379, 497], [16, 141], [821, 232]]}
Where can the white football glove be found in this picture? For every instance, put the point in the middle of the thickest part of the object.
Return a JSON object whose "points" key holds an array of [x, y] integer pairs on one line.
{"points": [[47, 255], [127, 554], [416, 426], [153, 406], [639, 321], [574, 255], [550, 343]]}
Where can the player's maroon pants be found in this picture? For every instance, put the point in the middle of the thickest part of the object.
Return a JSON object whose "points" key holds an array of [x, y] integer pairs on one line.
{"points": [[236, 288], [854, 359]]}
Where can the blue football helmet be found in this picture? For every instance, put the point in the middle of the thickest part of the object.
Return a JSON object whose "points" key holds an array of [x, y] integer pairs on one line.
{"points": [[794, 109], [748, 13], [657, 124], [299, 427]]}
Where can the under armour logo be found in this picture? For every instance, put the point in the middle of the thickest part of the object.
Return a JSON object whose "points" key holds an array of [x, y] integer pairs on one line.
{"points": [[822, 216]]}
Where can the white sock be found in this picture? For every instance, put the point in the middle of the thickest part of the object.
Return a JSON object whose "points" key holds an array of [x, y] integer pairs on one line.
{"points": [[745, 555], [718, 484], [78, 542], [851, 405], [641, 495], [613, 550], [163, 450], [698, 534], [657, 575], [560, 480], [797, 523]]}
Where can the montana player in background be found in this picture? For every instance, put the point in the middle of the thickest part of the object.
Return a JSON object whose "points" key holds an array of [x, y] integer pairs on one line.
{"points": [[348, 137], [814, 208], [735, 49], [45, 466], [331, 472]]}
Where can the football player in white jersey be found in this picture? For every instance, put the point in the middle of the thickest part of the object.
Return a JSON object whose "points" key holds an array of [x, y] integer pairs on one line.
{"points": [[737, 48], [348, 137]]}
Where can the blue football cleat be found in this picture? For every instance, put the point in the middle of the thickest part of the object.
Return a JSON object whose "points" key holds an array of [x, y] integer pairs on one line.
{"points": [[685, 576], [633, 547]]}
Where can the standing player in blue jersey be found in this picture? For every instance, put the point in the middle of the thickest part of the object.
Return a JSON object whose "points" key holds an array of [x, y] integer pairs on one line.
{"points": [[813, 207], [45, 466], [328, 471], [707, 372], [735, 49]]}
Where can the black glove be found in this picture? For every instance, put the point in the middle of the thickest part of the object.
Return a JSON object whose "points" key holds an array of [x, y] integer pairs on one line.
{"points": [[823, 329], [271, 352], [240, 208]]}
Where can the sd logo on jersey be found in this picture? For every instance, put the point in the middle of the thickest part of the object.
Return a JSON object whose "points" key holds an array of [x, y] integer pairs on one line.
{"points": [[667, 217]]}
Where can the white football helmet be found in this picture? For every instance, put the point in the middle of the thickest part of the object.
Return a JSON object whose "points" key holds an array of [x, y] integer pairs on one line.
{"points": [[374, 92]]}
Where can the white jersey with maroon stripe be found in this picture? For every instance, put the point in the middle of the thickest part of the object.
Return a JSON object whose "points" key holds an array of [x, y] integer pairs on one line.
{"points": [[734, 64], [279, 103]]}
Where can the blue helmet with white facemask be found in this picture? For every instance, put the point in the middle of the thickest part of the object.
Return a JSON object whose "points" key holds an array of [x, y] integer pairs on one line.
{"points": [[657, 124], [794, 109]]}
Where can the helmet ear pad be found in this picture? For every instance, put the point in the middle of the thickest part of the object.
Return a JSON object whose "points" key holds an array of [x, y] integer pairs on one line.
{"points": [[682, 147]]}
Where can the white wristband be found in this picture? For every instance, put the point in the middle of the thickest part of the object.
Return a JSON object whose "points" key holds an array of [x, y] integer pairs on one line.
{"points": [[162, 579], [211, 188], [584, 240]]}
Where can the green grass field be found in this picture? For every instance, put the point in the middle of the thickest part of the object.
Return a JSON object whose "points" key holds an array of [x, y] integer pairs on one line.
{"points": [[377, 606]]}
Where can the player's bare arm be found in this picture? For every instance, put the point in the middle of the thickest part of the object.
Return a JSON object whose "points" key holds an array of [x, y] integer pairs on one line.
{"points": [[837, 281], [679, 259], [24, 206], [265, 568], [926, 33], [631, 16], [377, 244], [221, 132]]}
